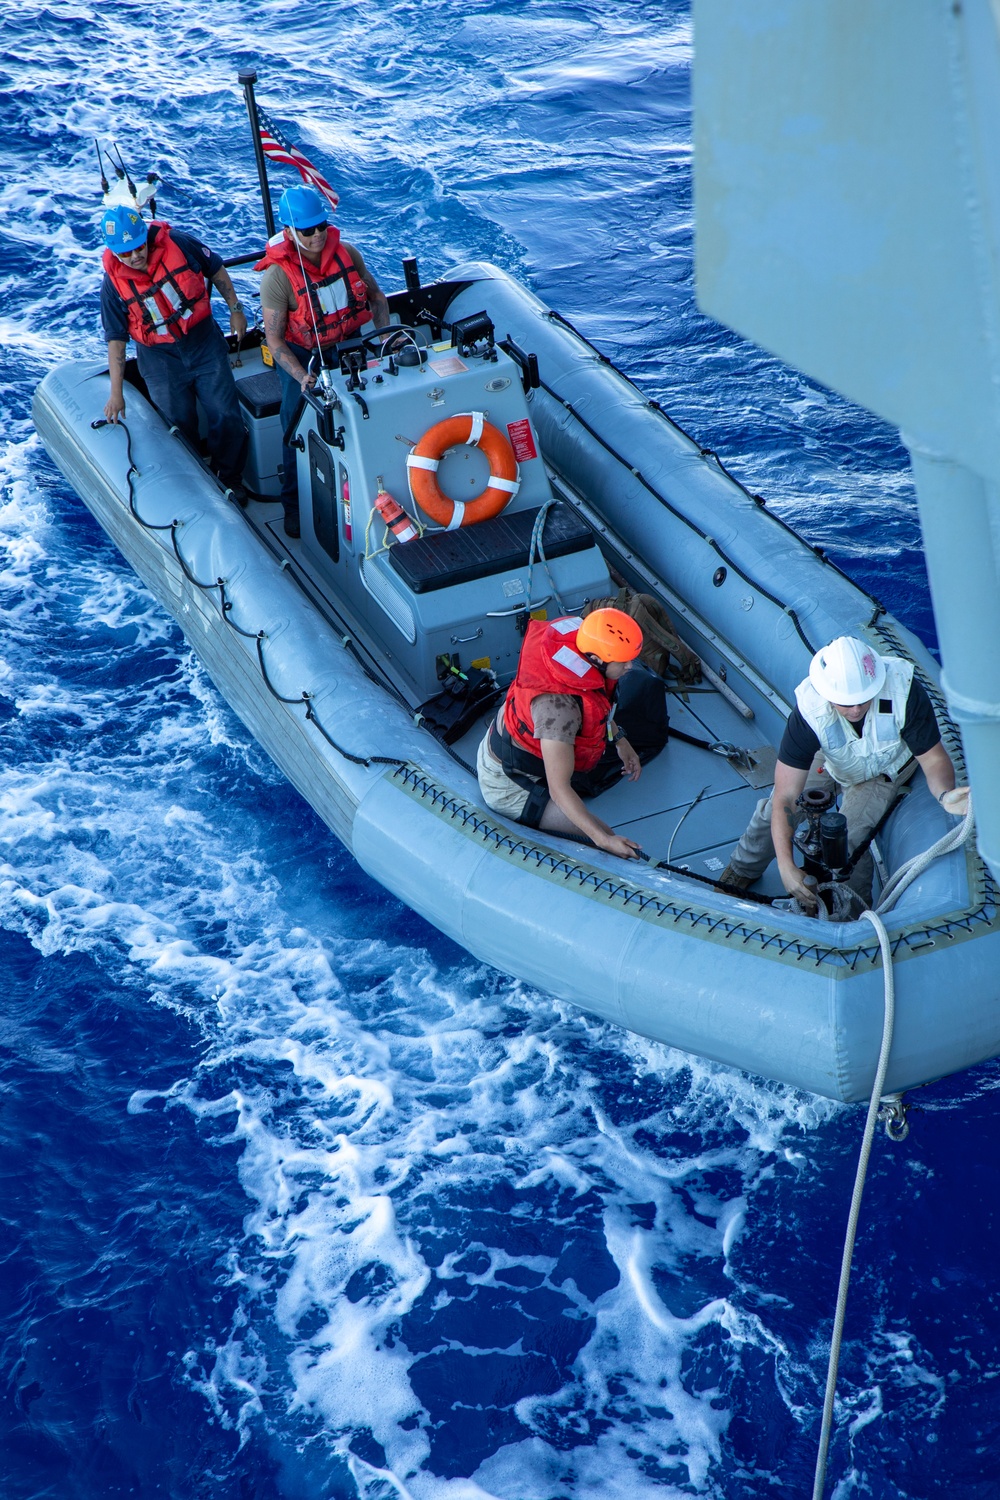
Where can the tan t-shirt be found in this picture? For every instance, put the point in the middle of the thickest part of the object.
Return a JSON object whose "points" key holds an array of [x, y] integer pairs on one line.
{"points": [[276, 291]]}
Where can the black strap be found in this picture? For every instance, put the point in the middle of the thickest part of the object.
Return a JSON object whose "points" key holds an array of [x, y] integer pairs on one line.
{"points": [[523, 768], [343, 273], [717, 885], [178, 314], [519, 766], [690, 739], [165, 277]]}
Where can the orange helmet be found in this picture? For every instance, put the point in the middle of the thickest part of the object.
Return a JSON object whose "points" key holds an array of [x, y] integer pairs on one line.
{"points": [[610, 634]]}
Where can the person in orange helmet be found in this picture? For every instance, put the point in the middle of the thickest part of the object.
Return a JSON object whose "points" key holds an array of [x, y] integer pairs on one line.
{"points": [[557, 737]]}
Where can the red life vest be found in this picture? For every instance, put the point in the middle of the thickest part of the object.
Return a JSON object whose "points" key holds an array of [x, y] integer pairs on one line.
{"points": [[336, 292], [550, 663], [166, 299]]}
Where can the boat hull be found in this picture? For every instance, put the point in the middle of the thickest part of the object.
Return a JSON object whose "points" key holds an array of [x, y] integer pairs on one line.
{"points": [[782, 997]]}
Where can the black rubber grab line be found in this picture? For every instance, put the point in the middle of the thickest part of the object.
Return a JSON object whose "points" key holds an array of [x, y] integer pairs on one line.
{"points": [[692, 525], [758, 500], [226, 608]]}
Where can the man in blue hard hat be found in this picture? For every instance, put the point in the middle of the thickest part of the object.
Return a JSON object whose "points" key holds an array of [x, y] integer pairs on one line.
{"points": [[156, 291], [315, 291]]}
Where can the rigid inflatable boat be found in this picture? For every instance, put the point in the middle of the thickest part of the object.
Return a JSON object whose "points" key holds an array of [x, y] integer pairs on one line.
{"points": [[367, 666]]}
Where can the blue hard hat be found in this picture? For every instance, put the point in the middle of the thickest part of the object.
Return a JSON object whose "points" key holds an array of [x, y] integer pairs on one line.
{"points": [[301, 207], [123, 228]]}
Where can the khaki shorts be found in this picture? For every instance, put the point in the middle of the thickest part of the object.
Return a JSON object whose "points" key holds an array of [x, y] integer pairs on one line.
{"points": [[499, 793]]}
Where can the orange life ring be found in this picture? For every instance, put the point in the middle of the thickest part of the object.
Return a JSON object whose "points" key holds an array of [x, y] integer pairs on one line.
{"points": [[421, 466]]}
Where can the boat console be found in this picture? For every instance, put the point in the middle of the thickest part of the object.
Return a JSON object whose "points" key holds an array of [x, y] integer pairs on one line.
{"points": [[449, 598]]}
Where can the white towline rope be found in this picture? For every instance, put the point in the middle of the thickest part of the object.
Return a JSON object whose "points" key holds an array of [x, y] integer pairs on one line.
{"points": [[909, 872], [859, 1187], [900, 880]]}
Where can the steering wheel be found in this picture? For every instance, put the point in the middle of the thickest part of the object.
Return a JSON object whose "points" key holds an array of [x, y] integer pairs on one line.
{"points": [[379, 337]]}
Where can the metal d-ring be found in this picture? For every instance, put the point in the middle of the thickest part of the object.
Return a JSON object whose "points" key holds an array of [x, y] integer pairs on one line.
{"points": [[892, 1112]]}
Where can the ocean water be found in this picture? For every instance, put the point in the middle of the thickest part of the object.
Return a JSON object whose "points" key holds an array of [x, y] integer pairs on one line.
{"points": [[297, 1199]]}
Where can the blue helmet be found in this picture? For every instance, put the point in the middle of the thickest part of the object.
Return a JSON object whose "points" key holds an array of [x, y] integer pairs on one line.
{"points": [[301, 207], [123, 228]]}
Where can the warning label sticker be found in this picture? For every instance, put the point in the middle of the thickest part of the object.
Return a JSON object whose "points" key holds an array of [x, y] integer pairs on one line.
{"points": [[451, 366], [522, 440]]}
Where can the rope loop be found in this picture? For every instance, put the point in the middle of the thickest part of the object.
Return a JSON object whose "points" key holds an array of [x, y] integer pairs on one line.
{"points": [[536, 553]]}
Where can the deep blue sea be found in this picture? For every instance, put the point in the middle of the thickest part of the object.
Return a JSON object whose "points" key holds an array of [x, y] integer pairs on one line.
{"points": [[298, 1201]]}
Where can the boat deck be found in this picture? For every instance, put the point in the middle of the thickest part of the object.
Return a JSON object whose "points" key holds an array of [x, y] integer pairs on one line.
{"points": [[651, 809]]}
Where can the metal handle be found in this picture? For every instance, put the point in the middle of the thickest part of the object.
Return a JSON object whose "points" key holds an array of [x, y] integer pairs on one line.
{"points": [[526, 363], [503, 614], [461, 640], [289, 432]]}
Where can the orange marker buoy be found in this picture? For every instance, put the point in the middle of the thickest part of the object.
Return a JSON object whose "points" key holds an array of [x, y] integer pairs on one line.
{"points": [[395, 517]]}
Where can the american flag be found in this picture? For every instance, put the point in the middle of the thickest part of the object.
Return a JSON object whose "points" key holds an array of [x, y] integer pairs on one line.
{"points": [[277, 148]]}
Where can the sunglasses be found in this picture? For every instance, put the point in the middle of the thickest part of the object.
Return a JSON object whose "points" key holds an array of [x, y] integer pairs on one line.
{"points": [[307, 234]]}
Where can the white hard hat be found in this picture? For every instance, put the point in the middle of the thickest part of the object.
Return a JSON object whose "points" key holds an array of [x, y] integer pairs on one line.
{"points": [[847, 671]]}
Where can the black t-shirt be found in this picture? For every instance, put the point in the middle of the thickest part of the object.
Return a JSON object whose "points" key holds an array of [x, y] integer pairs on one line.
{"points": [[113, 315], [799, 743]]}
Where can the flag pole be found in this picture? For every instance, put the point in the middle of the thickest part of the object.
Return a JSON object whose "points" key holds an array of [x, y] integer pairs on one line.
{"points": [[248, 77]]}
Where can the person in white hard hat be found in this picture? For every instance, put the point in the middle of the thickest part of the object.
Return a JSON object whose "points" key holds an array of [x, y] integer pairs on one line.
{"points": [[866, 722]]}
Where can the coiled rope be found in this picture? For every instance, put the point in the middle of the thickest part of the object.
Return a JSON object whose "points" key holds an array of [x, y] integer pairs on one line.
{"points": [[899, 882], [908, 873]]}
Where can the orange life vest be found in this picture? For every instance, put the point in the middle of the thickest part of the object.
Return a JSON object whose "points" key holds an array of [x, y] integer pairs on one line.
{"points": [[334, 289], [550, 663], [166, 299]]}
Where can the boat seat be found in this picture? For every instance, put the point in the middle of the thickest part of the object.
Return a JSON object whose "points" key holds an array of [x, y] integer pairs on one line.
{"points": [[261, 393], [442, 558]]}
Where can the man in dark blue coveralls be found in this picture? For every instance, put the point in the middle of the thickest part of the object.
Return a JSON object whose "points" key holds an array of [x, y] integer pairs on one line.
{"points": [[156, 291]]}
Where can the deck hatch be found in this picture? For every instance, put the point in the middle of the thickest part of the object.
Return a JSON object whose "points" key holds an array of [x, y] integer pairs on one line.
{"points": [[323, 488]]}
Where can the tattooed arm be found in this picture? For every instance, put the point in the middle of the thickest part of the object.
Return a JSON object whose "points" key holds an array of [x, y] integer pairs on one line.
{"points": [[237, 317], [275, 325]]}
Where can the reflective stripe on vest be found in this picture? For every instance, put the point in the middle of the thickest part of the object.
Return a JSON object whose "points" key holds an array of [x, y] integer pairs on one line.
{"points": [[548, 664], [879, 749], [572, 660], [333, 293], [172, 296]]}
